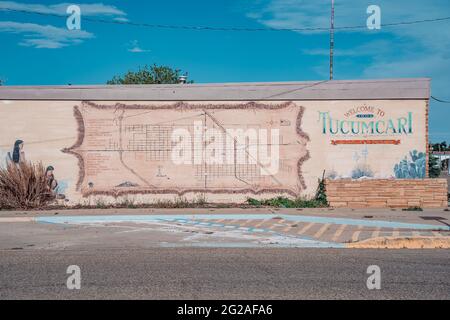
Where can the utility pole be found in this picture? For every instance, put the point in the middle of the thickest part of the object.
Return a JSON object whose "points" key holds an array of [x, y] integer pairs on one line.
{"points": [[331, 39]]}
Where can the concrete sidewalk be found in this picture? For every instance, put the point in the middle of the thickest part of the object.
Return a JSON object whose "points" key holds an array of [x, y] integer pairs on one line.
{"points": [[438, 217], [261, 227]]}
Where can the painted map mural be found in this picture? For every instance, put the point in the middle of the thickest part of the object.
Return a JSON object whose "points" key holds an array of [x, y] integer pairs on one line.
{"points": [[176, 148]]}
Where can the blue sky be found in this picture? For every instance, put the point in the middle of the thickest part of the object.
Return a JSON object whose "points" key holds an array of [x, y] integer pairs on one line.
{"points": [[38, 49]]}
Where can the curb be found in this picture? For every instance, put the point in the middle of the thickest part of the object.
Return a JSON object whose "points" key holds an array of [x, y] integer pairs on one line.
{"points": [[402, 243], [17, 219]]}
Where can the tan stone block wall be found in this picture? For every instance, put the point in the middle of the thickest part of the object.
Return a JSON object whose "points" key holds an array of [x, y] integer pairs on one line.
{"points": [[387, 193]]}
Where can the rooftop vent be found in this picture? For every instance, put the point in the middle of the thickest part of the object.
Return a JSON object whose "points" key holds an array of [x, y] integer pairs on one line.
{"points": [[182, 79]]}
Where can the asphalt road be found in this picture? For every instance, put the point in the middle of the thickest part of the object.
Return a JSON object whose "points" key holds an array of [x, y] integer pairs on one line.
{"points": [[203, 273]]}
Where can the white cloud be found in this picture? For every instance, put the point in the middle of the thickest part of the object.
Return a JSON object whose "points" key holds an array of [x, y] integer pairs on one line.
{"points": [[294, 14], [121, 19], [406, 51], [42, 43], [135, 47], [416, 50], [93, 9], [40, 36], [51, 37]]}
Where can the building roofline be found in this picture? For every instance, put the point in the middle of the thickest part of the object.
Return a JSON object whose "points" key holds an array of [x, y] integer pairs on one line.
{"points": [[407, 88]]}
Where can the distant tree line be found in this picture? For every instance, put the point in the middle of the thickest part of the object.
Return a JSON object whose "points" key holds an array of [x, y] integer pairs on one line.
{"points": [[443, 146], [434, 164], [149, 75]]}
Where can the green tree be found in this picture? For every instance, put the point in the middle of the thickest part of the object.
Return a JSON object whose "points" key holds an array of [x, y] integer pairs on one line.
{"points": [[149, 75], [443, 146], [434, 167]]}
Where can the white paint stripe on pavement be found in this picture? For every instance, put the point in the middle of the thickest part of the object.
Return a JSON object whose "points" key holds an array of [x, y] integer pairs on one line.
{"points": [[376, 233], [306, 228], [322, 230], [246, 222], [339, 232], [261, 223], [290, 218], [355, 236], [277, 223]]}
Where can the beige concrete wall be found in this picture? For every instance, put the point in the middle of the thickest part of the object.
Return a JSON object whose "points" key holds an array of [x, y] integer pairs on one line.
{"points": [[117, 150]]}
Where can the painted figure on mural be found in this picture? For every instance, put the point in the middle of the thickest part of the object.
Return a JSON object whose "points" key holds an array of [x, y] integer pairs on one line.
{"points": [[18, 155], [52, 183]]}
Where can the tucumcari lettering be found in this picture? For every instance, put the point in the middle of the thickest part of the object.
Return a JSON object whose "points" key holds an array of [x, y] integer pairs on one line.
{"points": [[401, 125]]}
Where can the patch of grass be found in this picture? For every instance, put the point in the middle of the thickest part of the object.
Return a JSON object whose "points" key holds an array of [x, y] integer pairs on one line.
{"points": [[200, 200], [254, 202], [283, 202], [181, 202], [100, 204], [319, 200], [128, 203], [413, 209]]}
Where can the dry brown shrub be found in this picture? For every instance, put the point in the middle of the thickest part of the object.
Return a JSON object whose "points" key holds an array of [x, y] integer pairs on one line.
{"points": [[23, 186]]}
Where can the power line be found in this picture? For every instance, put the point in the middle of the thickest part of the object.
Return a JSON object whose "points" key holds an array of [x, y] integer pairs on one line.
{"points": [[209, 28], [439, 100]]}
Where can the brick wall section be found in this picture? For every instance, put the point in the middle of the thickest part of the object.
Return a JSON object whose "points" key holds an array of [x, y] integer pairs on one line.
{"points": [[387, 193]]}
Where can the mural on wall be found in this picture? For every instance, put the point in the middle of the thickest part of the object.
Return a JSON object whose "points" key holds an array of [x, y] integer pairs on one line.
{"points": [[226, 149], [176, 148], [55, 187], [18, 153], [4, 158], [366, 121], [361, 168], [17, 156], [362, 171], [413, 167], [365, 125]]}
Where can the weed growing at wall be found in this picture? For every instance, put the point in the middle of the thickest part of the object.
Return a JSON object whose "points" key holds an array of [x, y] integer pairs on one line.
{"points": [[128, 203], [321, 193], [181, 202], [100, 203], [282, 202], [319, 200], [413, 209]]}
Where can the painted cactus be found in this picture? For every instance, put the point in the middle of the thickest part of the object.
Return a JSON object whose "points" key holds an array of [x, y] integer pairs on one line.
{"points": [[413, 168]]}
